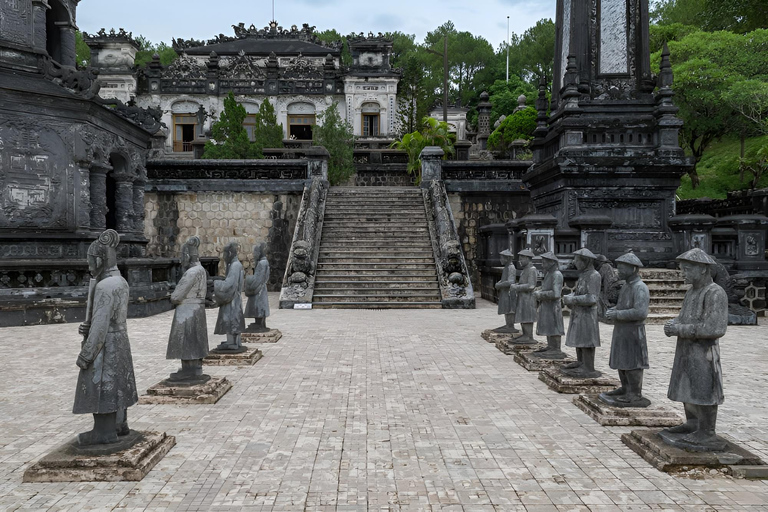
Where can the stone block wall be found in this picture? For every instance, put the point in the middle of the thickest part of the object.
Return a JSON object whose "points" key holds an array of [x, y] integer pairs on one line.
{"points": [[218, 218]]}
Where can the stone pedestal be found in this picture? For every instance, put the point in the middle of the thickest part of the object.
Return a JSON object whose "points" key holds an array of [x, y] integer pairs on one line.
{"points": [[534, 364], [271, 336], [201, 391], [506, 342], [604, 414], [130, 459], [246, 357], [558, 381], [649, 445]]}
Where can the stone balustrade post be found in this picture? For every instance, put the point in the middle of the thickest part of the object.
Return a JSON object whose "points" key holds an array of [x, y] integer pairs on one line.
{"points": [[317, 162], [691, 231], [750, 243], [98, 195], [593, 230], [431, 165]]}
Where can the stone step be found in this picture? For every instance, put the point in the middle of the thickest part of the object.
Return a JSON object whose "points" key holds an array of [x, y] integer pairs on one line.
{"points": [[382, 202], [365, 293], [365, 260], [376, 297], [351, 236], [375, 266], [378, 305], [659, 318], [377, 191], [378, 275], [676, 299], [403, 225], [375, 214], [376, 285], [393, 253], [674, 311], [660, 273], [375, 246], [383, 230]]}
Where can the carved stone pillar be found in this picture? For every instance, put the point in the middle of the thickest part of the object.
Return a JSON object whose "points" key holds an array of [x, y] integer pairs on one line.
{"points": [[124, 202], [83, 191], [138, 206], [317, 162], [39, 37], [98, 195], [483, 120], [431, 165], [68, 48]]}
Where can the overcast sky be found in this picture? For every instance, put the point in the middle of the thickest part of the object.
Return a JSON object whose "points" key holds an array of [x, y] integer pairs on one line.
{"points": [[160, 20]]}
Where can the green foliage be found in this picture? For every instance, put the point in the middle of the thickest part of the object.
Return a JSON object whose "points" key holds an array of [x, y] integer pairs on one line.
{"points": [[229, 138], [504, 95], [519, 125], [660, 34], [335, 135], [755, 163], [333, 36], [266, 132], [749, 99], [147, 49], [532, 54], [739, 16], [82, 52], [432, 133]]}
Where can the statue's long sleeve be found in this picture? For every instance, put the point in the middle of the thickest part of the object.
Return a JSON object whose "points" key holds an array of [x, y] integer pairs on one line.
{"points": [[100, 317]]}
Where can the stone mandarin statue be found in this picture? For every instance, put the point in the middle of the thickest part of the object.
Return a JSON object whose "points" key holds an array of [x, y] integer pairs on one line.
{"points": [[228, 295], [697, 377], [583, 330], [507, 298], [106, 386], [629, 349], [525, 310], [550, 318], [257, 305], [189, 333]]}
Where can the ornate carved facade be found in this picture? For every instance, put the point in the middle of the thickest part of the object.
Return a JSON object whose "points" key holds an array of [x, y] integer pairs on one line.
{"points": [[291, 68]]}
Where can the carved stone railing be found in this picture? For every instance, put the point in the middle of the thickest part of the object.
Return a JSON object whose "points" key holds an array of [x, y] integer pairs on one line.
{"points": [[452, 273], [299, 280]]}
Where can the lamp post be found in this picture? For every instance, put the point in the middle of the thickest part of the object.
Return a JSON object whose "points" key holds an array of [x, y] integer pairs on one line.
{"points": [[507, 49]]}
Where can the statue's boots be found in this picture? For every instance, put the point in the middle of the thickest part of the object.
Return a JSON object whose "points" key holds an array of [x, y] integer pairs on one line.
{"points": [[104, 431], [587, 369], [633, 381], [552, 350], [691, 422], [704, 438], [579, 361], [232, 343], [527, 336], [191, 369], [121, 423], [621, 390], [509, 326], [258, 325]]}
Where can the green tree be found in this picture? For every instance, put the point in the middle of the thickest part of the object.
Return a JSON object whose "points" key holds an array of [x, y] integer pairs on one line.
{"points": [[756, 164], [431, 133], [266, 132], [147, 50], [503, 96], [739, 16], [331, 36], [415, 97], [532, 54], [335, 135], [519, 125], [82, 51], [229, 137]]}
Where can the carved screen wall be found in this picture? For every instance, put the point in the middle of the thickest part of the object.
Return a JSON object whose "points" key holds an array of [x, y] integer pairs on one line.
{"points": [[613, 37]]}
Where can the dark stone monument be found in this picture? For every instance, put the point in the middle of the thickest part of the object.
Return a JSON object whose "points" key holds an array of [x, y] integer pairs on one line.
{"points": [[257, 305]]}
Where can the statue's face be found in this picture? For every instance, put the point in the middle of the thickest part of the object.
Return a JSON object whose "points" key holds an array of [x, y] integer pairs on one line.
{"points": [[625, 270], [95, 265], [580, 262], [524, 260], [548, 264], [693, 273]]}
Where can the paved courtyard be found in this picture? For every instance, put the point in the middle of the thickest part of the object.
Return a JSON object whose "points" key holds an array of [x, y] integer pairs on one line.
{"points": [[371, 410]]}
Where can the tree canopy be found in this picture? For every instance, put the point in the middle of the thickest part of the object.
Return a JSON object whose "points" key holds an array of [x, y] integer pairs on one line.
{"points": [[335, 135], [229, 139]]}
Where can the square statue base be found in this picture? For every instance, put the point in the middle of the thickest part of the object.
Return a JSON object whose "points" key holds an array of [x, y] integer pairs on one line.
{"points": [[664, 457], [604, 414], [534, 364], [490, 335], [247, 357], [137, 454], [175, 392], [271, 336], [562, 383], [506, 342]]}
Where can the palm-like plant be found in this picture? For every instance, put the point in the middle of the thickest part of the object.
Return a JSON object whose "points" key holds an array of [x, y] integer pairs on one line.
{"points": [[432, 133]]}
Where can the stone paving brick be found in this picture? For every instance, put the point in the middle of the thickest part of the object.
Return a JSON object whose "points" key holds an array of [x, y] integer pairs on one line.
{"points": [[371, 410]]}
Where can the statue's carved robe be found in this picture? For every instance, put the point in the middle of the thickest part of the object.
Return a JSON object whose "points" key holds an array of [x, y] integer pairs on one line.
{"points": [[525, 311], [550, 319], [507, 297], [189, 332], [108, 384], [228, 294], [629, 349], [697, 377], [583, 329], [257, 305]]}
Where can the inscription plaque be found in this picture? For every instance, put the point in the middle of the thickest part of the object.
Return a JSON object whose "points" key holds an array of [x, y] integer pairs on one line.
{"points": [[613, 37]]}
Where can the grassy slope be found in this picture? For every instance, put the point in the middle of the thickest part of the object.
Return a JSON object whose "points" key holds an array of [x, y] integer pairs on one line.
{"points": [[719, 169]]}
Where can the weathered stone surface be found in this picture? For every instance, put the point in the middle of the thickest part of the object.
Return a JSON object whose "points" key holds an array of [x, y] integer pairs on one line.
{"points": [[664, 457], [561, 383], [509, 346], [248, 357], [271, 336], [71, 464], [170, 392], [527, 360], [651, 416]]}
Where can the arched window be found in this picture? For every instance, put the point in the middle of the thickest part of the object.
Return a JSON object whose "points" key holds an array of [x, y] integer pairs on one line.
{"points": [[301, 118], [184, 125], [371, 119]]}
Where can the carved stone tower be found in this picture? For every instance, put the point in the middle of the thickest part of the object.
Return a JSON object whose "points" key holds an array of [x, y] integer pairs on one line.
{"points": [[610, 146]]}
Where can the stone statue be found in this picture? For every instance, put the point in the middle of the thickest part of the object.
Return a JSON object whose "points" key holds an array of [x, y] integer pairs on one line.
{"points": [[189, 333], [550, 318], [629, 350], [228, 295], [610, 285], [507, 298], [257, 306], [525, 310], [697, 377], [583, 329], [106, 386]]}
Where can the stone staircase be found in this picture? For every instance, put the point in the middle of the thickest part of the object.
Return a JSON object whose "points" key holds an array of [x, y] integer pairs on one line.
{"points": [[667, 289], [376, 251]]}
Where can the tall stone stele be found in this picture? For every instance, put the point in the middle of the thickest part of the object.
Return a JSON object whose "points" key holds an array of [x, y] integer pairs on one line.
{"points": [[257, 305], [106, 386], [629, 348], [697, 376], [610, 146], [227, 294], [189, 333]]}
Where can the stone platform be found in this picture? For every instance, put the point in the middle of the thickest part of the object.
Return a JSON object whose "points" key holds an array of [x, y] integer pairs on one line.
{"points": [[527, 360], [604, 414], [649, 445], [558, 381], [505, 342], [271, 336], [69, 463], [200, 392], [248, 357]]}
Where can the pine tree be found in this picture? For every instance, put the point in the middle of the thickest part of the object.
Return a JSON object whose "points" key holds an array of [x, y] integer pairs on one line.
{"points": [[229, 137]]}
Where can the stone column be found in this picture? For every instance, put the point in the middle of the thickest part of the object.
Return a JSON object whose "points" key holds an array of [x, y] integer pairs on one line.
{"points": [[39, 37], [431, 165], [83, 196], [124, 202], [138, 206], [68, 50], [98, 195], [317, 162]]}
